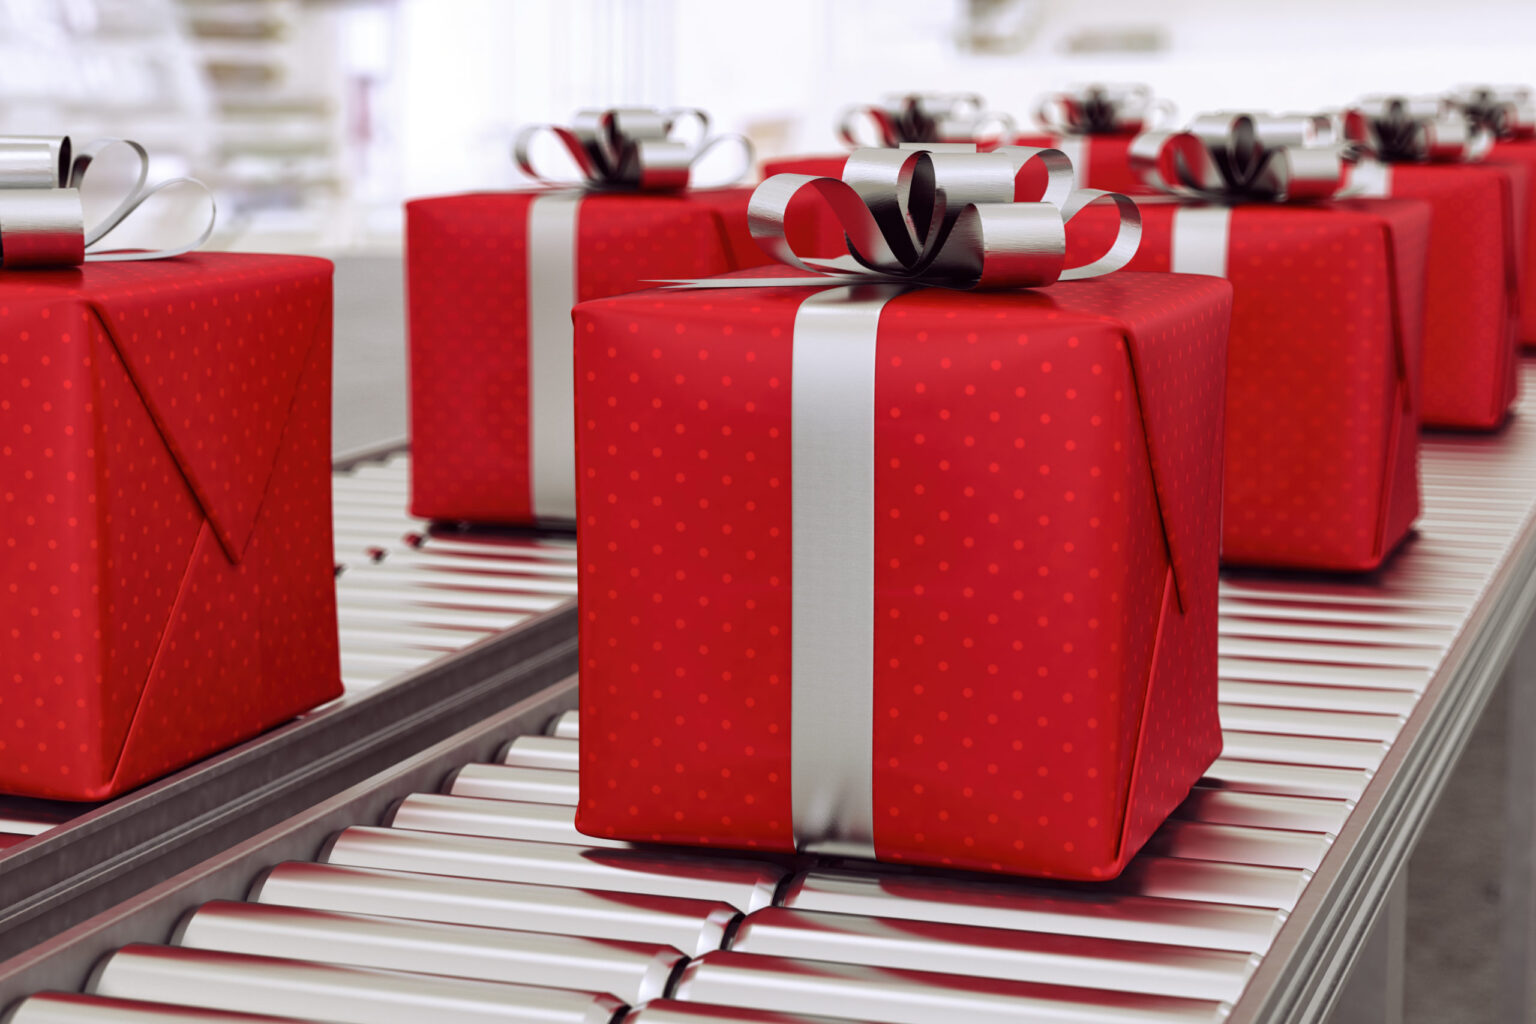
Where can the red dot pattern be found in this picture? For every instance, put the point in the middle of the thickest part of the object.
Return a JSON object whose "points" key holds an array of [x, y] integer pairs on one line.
{"points": [[1523, 154], [1472, 300], [467, 284], [166, 509], [1029, 448], [1321, 471]]}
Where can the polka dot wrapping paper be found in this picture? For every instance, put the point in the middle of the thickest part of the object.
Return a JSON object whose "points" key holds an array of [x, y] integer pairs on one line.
{"points": [[1323, 375], [468, 263], [1522, 153], [1046, 502], [165, 518], [1472, 293], [1106, 162]]}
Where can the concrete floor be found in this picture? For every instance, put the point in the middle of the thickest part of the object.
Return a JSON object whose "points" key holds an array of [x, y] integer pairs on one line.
{"points": [[1453, 893]]}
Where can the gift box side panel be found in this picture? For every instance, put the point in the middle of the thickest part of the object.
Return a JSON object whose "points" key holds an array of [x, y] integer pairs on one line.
{"points": [[206, 692], [467, 296], [1107, 165], [683, 410], [730, 206], [1523, 153], [1469, 340], [1010, 684]]}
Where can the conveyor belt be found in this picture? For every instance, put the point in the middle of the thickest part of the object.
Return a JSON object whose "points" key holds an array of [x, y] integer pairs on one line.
{"points": [[454, 886]]}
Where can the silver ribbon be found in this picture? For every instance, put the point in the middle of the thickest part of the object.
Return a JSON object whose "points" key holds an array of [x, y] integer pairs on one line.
{"points": [[638, 148], [1415, 129], [925, 117], [1506, 112], [552, 291], [1101, 109], [1237, 156], [945, 218], [42, 220]]}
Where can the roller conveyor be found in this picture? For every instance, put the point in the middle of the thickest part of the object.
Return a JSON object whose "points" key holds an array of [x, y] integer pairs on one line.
{"points": [[457, 873]]}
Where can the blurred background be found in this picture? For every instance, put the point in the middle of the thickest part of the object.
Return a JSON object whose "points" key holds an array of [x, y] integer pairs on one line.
{"points": [[313, 119]]}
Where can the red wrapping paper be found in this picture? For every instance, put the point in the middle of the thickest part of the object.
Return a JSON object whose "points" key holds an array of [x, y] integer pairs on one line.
{"points": [[166, 514], [467, 268], [1046, 504], [1472, 301], [1323, 374], [1107, 162], [1522, 153]]}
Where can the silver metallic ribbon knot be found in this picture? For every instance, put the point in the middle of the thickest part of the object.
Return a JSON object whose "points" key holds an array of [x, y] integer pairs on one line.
{"points": [[1235, 157], [944, 217], [1101, 109], [636, 148], [926, 117], [42, 219], [1415, 129], [1506, 112]]}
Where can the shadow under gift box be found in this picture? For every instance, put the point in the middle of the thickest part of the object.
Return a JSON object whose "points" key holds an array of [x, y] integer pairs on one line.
{"points": [[1472, 291], [166, 514], [1041, 537], [490, 281], [1323, 368], [1522, 153]]}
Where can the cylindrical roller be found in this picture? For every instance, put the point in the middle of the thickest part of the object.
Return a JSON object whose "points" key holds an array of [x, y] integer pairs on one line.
{"points": [[500, 782], [694, 926], [918, 997], [996, 953], [744, 884], [1307, 750], [672, 1011], [1264, 810], [1288, 779], [346, 995], [1026, 907], [501, 819], [632, 971], [1238, 844], [71, 1008], [541, 752], [567, 726], [1212, 882]]}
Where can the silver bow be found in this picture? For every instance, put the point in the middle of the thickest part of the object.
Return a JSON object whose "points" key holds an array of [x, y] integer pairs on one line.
{"points": [[1506, 112], [1101, 109], [1232, 157], [1415, 129], [944, 218], [42, 220], [926, 117], [630, 148]]}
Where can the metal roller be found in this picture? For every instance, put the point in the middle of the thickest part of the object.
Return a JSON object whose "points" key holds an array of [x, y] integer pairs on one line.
{"points": [[744, 884], [1264, 810], [490, 582], [345, 995], [1239, 844], [502, 782], [996, 953], [486, 559], [1034, 907], [1301, 750], [632, 971], [567, 726], [918, 997], [497, 819], [693, 926], [1334, 631], [670, 1011], [1288, 779], [541, 752], [70, 1008], [1212, 882], [1365, 677], [1422, 658]]}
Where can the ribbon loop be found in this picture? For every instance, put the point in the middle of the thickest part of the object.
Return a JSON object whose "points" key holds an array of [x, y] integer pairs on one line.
{"points": [[1239, 156], [945, 218], [42, 219], [1505, 112], [1415, 129], [919, 118], [1101, 109], [639, 148]]}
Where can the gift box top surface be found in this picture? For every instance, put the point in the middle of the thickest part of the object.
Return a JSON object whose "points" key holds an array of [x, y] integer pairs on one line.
{"points": [[212, 344]]}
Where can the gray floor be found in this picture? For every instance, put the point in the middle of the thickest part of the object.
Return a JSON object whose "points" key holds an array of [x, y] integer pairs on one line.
{"points": [[1453, 879]]}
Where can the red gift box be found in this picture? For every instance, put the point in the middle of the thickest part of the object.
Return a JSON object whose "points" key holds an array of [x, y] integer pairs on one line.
{"points": [[1102, 160], [1522, 153], [941, 563], [491, 279], [1323, 368], [1472, 298], [167, 514]]}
